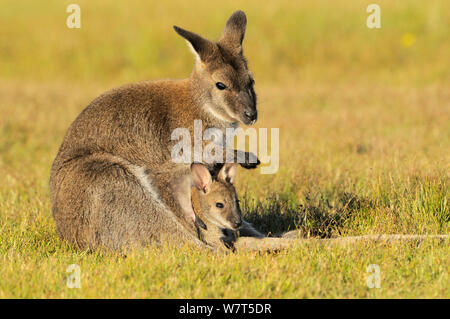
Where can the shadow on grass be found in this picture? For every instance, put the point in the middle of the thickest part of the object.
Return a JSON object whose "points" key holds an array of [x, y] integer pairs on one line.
{"points": [[317, 215]]}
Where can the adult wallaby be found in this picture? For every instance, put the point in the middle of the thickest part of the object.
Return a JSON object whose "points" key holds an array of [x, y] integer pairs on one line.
{"points": [[115, 159]]}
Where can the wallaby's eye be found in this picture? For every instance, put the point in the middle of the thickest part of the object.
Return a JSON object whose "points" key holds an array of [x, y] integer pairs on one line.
{"points": [[221, 86], [219, 205]]}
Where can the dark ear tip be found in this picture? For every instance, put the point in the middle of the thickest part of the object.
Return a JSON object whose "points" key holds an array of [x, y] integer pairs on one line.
{"points": [[239, 15], [177, 29]]}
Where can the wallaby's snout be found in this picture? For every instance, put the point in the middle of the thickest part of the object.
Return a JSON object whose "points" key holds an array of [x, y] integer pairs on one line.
{"points": [[251, 115], [247, 97]]}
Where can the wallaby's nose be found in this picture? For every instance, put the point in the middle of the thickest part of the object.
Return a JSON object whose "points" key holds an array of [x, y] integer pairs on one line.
{"points": [[251, 115]]}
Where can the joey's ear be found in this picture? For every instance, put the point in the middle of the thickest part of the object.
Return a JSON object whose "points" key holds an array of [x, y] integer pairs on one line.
{"points": [[234, 32], [201, 47], [227, 173], [201, 177]]}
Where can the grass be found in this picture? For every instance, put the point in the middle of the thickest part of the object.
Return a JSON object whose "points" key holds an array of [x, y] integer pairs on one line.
{"points": [[364, 145]]}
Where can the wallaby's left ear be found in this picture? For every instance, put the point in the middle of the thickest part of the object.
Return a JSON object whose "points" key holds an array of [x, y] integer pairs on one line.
{"points": [[227, 173], [201, 47], [201, 177], [234, 32]]}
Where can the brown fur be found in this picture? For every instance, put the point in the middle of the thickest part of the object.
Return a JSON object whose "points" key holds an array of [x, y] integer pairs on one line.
{"points": [[113, 182], [221, 223]]}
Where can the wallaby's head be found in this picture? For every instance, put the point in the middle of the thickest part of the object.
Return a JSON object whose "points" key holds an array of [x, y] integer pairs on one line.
{"points": [[215, 201], [221, 72]]}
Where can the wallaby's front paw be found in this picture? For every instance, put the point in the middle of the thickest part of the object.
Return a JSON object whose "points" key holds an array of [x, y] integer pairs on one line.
{"points": [[251, 161]]}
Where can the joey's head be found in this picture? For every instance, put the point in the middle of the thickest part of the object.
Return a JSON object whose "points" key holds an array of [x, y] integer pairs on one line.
{"points": [[221, 73], [215, 201]]}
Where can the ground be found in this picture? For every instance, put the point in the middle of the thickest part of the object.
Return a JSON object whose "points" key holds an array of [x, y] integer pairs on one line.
{"points": [[364, 145]]}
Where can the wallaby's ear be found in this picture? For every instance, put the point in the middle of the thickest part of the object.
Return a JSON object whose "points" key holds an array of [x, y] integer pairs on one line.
{"points": [[201, 47], [234, 32], [201, 177], [227, 173]]}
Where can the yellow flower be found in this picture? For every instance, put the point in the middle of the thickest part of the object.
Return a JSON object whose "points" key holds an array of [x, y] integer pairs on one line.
{"points": [[408, 39]]}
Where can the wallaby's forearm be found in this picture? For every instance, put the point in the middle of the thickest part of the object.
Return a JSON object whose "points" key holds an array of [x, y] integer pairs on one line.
{"points": [[245, 159], [247, 230]]}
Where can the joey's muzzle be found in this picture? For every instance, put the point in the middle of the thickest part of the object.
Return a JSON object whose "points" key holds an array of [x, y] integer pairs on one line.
{"points": [[236, 223]]}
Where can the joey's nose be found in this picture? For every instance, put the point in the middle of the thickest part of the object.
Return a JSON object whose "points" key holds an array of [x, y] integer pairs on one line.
{"points": [[251, 115]]}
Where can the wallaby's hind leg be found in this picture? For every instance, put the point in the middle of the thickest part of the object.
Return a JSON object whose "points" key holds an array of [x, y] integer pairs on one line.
{"points": [[74, 205], [109, 207]]}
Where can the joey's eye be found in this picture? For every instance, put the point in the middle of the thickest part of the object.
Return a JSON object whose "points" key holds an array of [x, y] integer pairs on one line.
{"points": [[219, 205], [221, 86]]}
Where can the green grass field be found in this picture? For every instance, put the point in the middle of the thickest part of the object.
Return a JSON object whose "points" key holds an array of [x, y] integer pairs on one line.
{"points": [[364, 118]]}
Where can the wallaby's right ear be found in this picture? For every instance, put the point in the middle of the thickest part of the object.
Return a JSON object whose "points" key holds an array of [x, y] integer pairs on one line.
{"points": [[201, 177], [201, 47], [227, 174], [234, 32]]}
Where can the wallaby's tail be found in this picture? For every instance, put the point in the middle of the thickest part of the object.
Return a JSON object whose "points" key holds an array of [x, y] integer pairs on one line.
{"points": [[275, 244]]}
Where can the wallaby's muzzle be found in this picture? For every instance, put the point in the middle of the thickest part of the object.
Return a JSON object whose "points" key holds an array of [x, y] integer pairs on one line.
{"points": [[248, 98], [251, 116]]}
